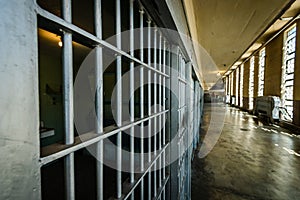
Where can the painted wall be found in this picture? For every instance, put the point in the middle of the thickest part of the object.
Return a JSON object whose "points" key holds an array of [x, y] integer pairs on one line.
{"points": [[273, 66], [246, 85]]}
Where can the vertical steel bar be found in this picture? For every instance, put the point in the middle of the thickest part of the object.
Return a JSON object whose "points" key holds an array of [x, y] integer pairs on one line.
{"points": [[149, 105], [99, 99], [155, 111], [131, 13], [164, 116], [190, 92], [142, 97], [164, 107], [131, 24], [119, 100], [180, 124], [160, 104], [68, 100]]}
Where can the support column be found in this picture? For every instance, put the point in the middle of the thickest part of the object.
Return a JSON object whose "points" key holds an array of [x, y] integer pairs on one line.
{"points": [[19, 101]]}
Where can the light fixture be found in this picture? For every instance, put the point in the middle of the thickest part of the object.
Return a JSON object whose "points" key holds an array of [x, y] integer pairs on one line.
{"points": [[286, 18], [60, 43]]}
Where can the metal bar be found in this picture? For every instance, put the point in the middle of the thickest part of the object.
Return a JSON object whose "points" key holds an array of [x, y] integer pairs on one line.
{"points": [[99, 99], [147, 170], [119, 100], [164, 107], [189, 122], [131, 13], [168, 133], [160, 103], [182, 80], [161, 189], [149, 106], [155, 110], [142, 87], [68, 101], [69, 176], [142, 98], [71, 27], [92, 140], [164, 118], [67, 10]]}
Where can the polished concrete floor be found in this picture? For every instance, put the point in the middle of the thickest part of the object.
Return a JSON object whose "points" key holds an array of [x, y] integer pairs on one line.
{"points": [[250, 160]]}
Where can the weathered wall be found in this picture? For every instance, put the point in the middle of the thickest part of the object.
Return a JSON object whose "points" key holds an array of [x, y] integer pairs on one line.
{"points": [[256, 65], [19, 127], [246, 85], [273, 67]]}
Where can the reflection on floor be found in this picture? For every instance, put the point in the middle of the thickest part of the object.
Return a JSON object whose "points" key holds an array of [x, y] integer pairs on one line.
{"points": [[250, 160]]}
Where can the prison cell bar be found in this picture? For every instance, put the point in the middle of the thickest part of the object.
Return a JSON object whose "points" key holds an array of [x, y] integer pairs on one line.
{"points": [[117, 50], [68, 101], [119, 100], [131, 90], [155, 110], [99, 98], [160, 103], [92, 139], [96, 41], [164, 116], [149, 105], [142, 98]]}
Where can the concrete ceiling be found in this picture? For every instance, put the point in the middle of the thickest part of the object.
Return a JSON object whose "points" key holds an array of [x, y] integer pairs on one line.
{"points": [[227, 28]]}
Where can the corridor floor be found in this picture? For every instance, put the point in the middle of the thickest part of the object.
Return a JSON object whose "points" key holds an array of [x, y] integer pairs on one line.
{"points": [[249, 161]]}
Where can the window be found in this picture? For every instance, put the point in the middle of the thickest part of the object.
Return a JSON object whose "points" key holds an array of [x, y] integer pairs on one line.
{"points": [[241, 84], [237, 73], [261, 72], [231, 84], [287, 83], [226, 85], [251, 82], [227, 99]]}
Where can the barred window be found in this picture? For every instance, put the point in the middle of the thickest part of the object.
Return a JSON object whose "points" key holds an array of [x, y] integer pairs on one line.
{"points": [[287, 86], [241, 85], [237, 74], [261, 72], [251, 82]]}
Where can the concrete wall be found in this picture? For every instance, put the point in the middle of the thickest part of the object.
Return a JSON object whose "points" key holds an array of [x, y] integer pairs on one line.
{"points": [[19, 121], [246, 85], [256, 65], [273, 67]]}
